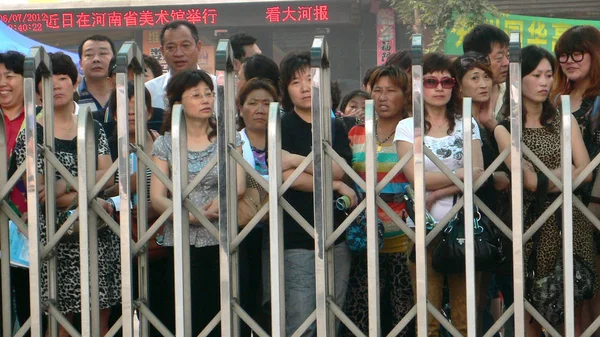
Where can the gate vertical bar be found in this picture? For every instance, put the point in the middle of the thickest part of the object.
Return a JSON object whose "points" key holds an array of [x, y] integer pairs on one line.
{"points": [[129, 54], [419, 160], [5, 242], [567, 214], [322, 182], [50, 185], [37, 58], [516, 157], [372, 230], [137, 64], [275, 224], [468, 207], [227, 192], [88, 250], [181, 225]]}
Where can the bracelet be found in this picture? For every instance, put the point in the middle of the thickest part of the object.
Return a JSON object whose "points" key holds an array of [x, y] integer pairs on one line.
{"points": [[68, 187], [595, 200]]}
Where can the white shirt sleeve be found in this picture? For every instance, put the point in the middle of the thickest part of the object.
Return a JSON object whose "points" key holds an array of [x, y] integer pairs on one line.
{"points": [[405, 131], [476, 134]]}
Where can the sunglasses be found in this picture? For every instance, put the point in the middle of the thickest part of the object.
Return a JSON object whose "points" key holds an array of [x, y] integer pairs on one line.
{"points": [[433, 82], [576, 56], [470, 62]]}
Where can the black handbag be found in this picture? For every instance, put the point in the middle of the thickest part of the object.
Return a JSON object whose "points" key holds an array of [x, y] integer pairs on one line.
{"points": [[449, 253], [546, 293]]}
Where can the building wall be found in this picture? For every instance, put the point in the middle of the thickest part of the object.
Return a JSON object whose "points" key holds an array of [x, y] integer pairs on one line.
{"points": [[568, 9]]}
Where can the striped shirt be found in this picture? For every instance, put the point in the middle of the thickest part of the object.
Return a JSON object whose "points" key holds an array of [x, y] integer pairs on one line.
{"points": [[386, 159]]}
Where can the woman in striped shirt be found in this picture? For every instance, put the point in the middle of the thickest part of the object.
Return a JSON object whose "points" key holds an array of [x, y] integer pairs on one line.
{"points": [[391, 93]]}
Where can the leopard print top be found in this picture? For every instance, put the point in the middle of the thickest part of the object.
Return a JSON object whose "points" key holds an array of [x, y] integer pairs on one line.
{"points": [[545, 144]]}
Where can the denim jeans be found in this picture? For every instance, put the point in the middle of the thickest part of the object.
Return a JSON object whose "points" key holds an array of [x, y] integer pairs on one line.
{"points": [[300, 293]]}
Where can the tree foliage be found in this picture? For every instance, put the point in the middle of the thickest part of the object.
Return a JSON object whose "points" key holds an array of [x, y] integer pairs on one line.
{"points": [[440, 15]]}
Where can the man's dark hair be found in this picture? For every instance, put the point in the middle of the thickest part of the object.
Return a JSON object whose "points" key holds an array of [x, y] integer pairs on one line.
{"points": [[238, 42], [260, 66], [130, 93], [112, 66], [13, 61], [483, 37], [336, 95], [62, 64], [154, 65], [288, 67], [97, 38], [367, 77], [177, 24], [402, 59]]}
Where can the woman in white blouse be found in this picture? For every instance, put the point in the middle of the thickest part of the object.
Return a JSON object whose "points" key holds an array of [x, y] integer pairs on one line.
{"points": [[444, 137]]}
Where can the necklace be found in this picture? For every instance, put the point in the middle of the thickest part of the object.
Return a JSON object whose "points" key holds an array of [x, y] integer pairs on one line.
{"points": [[381, 142], [70, 127]]}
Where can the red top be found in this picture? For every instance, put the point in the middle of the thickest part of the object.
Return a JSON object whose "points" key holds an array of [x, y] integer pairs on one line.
{"points": [[12, 130]]}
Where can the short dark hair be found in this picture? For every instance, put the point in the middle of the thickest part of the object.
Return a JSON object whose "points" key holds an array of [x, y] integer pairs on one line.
{"points": [[177, 85], [349, 96], [130, 93], [13, 61], [289, 66], [238, 42], [62, 64], [97, 38], [402, 59], [367, 77], [154, 65], [336, 94], [260, 66], [112, 66], [177, 24], [483, 37], [248, 88]]}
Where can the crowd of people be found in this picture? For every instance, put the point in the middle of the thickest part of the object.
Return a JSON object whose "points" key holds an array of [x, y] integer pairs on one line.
{"points": [[480, 73]]}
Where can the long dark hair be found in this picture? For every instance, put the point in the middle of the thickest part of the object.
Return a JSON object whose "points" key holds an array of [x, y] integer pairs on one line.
{"points": [[435, 62], [531, 56], [175, 88]]}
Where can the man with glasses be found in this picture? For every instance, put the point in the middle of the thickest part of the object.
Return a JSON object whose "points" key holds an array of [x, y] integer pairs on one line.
{"points": [[180, 46], [493, 42]]}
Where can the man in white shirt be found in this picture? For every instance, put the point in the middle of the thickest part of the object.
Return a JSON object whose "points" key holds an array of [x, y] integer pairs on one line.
{"points": [[493, 42], [180, 45]]}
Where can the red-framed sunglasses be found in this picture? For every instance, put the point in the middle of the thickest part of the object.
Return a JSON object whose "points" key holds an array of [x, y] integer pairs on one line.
{"points": [[433, 82]]}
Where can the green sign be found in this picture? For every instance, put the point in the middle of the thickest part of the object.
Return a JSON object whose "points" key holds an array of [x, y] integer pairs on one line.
{"points": [[539, 31]]}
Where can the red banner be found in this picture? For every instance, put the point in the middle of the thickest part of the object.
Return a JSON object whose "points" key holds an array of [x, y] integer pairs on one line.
{"points": [[386, 34]]}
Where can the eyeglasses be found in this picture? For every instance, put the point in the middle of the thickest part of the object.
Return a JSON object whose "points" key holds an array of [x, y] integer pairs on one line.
{"points": [[199, 96], [576, 56], [470, 62], [433, 82]]}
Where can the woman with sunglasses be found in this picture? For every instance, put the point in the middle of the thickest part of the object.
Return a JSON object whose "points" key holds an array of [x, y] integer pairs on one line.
{"points": [[578, 54], [542, 135], [444, 137]]}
